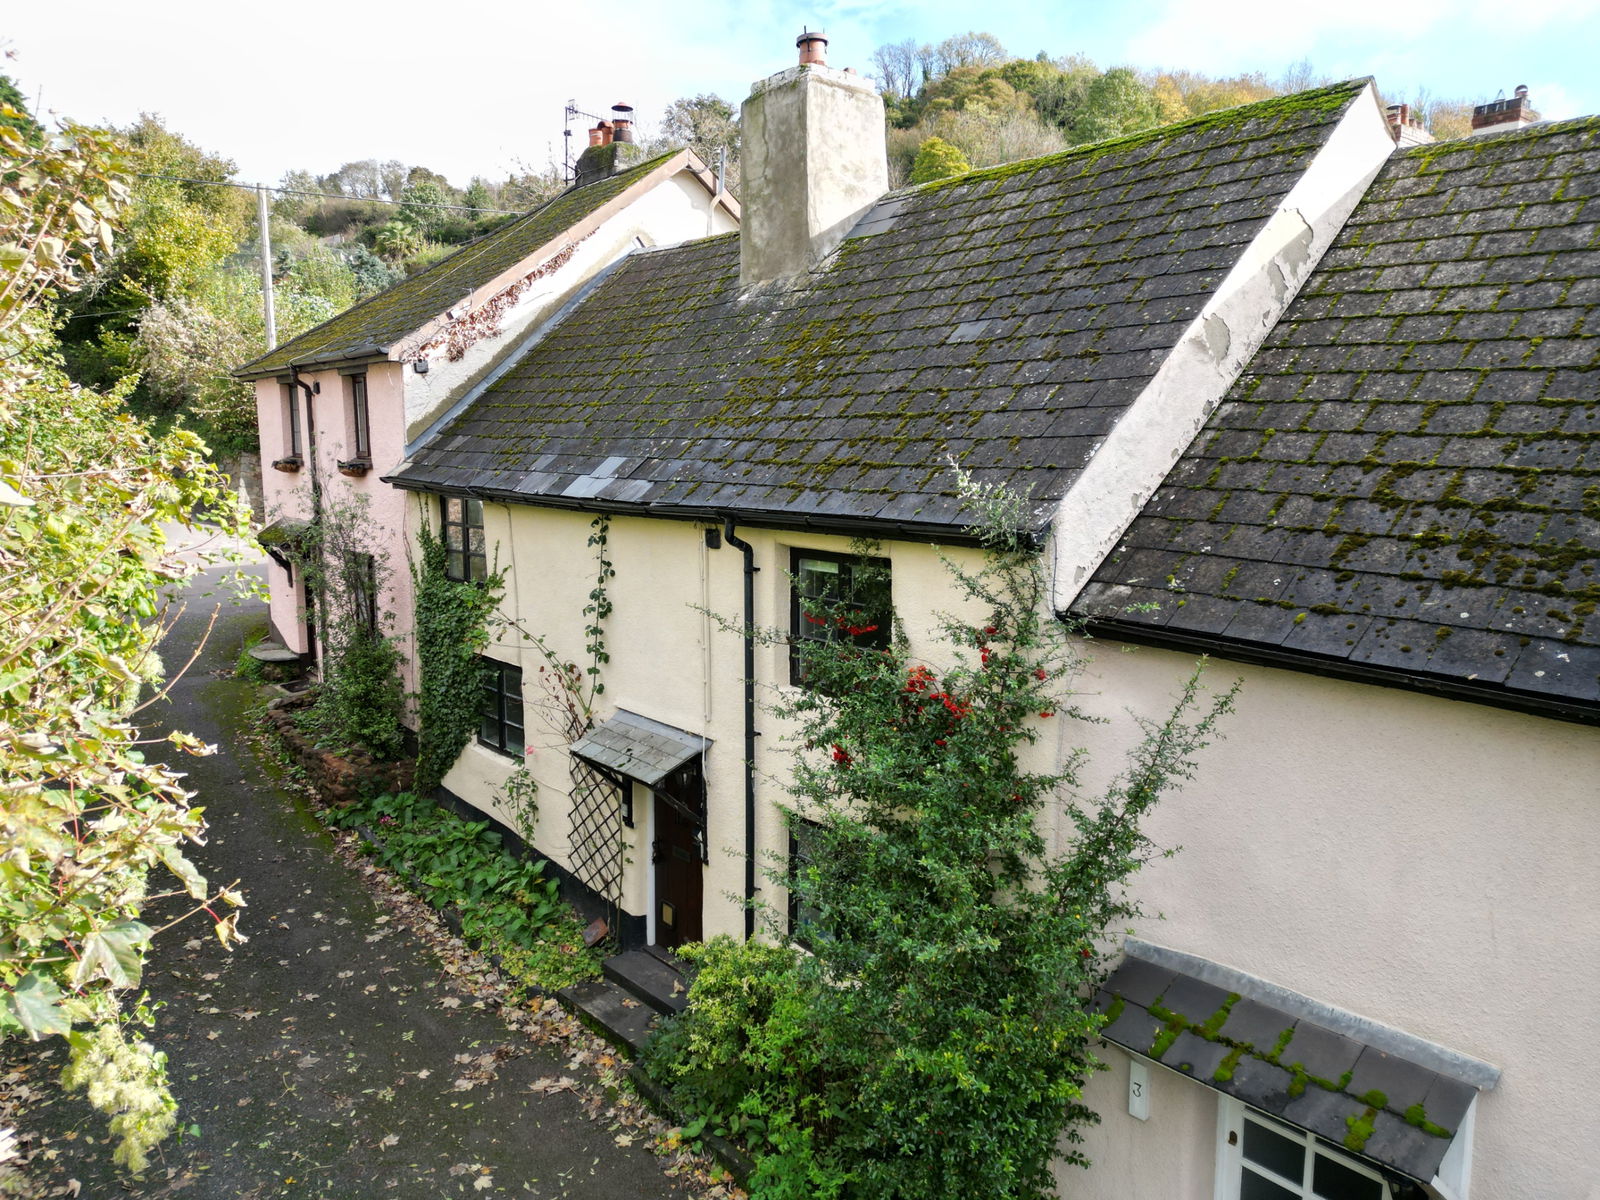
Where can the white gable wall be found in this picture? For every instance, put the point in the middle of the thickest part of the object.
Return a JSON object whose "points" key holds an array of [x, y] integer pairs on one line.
{"points": [[1128, 467]]}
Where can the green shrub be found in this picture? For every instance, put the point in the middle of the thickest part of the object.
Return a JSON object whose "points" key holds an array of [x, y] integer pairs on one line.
{"points": [[508, 906]]}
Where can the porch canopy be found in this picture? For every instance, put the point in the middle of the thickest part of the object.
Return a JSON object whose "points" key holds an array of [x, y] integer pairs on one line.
{"points": [[633, 747], [1363, 1086]]}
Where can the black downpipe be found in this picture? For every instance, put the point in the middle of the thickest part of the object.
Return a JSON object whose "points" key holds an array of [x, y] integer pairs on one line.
{"points": [[750, 570], [311, 389]]}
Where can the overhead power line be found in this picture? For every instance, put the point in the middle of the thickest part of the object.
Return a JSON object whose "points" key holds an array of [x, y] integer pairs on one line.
{"points": [[251, 187]]}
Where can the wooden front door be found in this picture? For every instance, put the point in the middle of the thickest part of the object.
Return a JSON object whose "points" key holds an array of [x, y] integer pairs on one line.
{"points": [[677, 851]]}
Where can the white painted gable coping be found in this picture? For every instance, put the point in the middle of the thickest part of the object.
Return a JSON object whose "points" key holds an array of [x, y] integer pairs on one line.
{"points": [[1127, 468]]}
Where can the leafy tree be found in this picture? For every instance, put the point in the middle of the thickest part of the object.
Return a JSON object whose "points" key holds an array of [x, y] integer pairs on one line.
{"points": [[422, 206], [984, 138], [708, 125], [1114, 105], [936, 1038], [969, 49], [938, 159], [175, 233], [972, 87], [477, 194], [85, 493], [18, 117], [363, 179]]}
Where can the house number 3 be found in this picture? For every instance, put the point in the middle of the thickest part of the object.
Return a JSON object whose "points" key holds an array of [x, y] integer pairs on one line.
{"points": [[1138, 1090]]}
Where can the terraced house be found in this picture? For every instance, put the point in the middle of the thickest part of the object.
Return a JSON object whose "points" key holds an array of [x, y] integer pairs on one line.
{"points": [[1280, 392]]}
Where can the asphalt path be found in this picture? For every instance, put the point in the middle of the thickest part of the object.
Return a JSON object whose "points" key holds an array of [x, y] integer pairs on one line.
{"points": [[335, 1054]]}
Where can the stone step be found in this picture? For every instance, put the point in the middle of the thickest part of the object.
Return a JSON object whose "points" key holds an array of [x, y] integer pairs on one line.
{"points": [[623, 1019], [274, 652], [651, 978]]}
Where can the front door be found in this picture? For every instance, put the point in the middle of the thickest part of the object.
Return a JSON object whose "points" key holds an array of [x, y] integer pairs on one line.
{"points": [[677, 851]]}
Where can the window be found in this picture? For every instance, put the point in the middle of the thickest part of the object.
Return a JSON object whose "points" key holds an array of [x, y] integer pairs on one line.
{"points": [[461, 529], [1266, 1159], [360, 427], [500, 723], [803, 918], [836, 598], [291, 403]]}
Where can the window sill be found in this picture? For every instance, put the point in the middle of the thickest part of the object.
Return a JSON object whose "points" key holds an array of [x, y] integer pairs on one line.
{"points": [[291, 464], [355, 467]]}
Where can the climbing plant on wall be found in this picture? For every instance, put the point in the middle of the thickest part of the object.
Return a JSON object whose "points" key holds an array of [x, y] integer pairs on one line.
{"points": [[453, 618], [935, 1039], [357, 705]]}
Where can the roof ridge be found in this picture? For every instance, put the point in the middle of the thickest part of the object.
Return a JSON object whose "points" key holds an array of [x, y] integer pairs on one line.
{"points": [[1344, 92], [1536, 130], [502, 232]]}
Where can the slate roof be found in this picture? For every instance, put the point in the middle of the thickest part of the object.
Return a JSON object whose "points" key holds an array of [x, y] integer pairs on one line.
{"points": [[1399, 1113], [1407, 476], [1003, 319], [638, 747], [380, 321]]}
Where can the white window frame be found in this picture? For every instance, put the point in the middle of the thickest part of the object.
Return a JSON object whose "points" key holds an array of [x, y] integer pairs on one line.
{"points": [[1231, 1116]]}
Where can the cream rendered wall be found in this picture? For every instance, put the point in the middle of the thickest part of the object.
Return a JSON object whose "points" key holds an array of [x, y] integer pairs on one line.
{"points": [[671, 661], [679, 209], [1428, 863]]}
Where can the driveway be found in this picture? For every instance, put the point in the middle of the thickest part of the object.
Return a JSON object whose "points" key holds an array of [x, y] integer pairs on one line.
{"points": [[348, 1049]]}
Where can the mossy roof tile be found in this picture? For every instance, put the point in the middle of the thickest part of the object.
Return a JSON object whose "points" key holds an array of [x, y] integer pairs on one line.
{"points": [[1057, 284], [1438, 451]]}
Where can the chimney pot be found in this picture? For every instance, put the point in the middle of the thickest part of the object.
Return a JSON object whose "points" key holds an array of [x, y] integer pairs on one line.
{"points": [[1501, 114], [813, 46], [623, 124]]}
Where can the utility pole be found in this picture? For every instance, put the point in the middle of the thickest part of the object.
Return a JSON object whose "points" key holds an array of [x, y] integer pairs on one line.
{"points": [[266, 266]]}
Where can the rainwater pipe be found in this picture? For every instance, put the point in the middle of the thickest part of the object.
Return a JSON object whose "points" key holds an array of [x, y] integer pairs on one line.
{"points": [[750, 570], [311, 389]]}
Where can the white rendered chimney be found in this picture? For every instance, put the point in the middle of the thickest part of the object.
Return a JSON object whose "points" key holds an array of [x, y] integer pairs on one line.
{"points": [[812, 161]]}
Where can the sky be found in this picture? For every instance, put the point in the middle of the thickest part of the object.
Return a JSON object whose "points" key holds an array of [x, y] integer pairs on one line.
{"points": [[479, 90]]}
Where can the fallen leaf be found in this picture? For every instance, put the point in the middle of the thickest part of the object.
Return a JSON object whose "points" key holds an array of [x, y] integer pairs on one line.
{"points": [[391, 1139]]}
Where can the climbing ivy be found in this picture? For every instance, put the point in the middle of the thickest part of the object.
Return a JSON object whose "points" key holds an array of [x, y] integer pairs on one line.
{"points": [[599, 606], [452, 629]]}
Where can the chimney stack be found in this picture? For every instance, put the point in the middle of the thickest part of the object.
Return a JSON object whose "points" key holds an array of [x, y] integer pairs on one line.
{"points": [[1405, 128], [1501, 114], [813, 160]]}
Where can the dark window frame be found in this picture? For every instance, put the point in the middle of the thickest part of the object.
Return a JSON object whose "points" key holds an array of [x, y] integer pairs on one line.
{"points": [[803, 626], [500, 696], [360, 418], [461, 561], [292, 400]]}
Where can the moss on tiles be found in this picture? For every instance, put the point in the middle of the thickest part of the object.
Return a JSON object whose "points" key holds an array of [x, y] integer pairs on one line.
{"points": [[1359, 1129]]}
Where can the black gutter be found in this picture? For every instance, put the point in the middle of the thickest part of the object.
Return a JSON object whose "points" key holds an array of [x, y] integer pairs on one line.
{"points": [[750, 570], [764, 518], [1257, 654]]}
